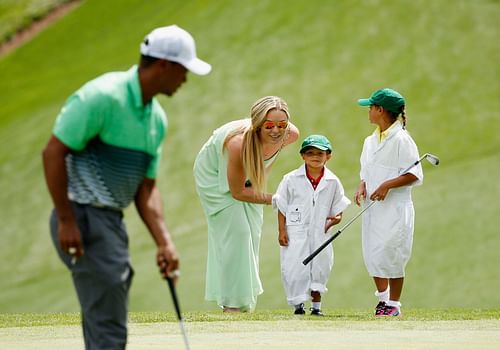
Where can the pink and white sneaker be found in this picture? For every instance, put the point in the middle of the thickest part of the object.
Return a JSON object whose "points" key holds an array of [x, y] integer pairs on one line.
{"points": [[390, 311], [379, 309]]}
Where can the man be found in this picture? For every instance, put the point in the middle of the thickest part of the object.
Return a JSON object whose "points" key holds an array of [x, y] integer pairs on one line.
{"points": [[104, 153]]}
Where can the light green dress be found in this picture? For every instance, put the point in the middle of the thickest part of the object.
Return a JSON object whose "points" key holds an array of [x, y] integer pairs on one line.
{"points": [[234, 228]]}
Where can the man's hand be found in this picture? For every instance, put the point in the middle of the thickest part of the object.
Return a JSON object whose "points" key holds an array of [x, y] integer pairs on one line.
{"points": [[70, 238], [167, 260]]}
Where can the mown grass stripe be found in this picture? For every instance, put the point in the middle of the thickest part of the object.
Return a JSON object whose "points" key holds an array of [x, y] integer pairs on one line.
{"points": [[348, 315]]}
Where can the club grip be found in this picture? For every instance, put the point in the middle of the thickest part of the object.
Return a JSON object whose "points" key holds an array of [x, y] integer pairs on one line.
{"points": [[174, 297], [321, 247]]}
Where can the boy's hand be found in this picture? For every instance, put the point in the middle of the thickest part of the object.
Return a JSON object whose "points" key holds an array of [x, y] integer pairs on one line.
{"points": [[332, 220], [283, 238]]}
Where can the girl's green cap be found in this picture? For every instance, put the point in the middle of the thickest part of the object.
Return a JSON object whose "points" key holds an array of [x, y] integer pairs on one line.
{"points": [[387, 98]]}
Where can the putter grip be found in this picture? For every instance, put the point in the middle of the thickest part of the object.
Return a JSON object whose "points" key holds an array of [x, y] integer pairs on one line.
{"points": [[174, 297], [321, 247]]}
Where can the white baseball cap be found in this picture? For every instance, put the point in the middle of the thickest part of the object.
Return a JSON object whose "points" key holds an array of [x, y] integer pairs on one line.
{"points": [[174, 44]]}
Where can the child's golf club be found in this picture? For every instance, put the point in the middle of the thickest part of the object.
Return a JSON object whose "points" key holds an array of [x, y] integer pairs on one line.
{"points": [[434, 160], [178, 310]]}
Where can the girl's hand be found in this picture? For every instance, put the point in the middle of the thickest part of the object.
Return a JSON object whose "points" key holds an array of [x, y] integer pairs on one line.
{"points": [[283, 238], [332, 220], [380, 193], [360, 193], [403, 180]]}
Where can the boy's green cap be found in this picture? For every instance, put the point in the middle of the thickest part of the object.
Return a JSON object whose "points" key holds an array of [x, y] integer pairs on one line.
{"points": [[316, 141], [387, 98]]}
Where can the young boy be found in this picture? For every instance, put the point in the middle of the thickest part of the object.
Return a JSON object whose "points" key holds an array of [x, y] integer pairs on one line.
{"points": [[309, 201]]}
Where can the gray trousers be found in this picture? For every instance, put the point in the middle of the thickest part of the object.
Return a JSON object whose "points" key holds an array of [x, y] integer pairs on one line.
{"points": [[102, 276]]}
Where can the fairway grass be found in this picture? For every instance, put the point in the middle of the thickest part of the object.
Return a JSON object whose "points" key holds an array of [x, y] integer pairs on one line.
{"points": [[320, 56], [344, 329]]}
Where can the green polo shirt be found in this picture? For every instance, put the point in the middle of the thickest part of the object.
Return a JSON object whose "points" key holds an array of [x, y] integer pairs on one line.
{"points": [[115, 139]]}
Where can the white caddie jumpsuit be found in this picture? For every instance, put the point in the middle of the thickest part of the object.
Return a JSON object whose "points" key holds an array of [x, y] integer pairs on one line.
{"points": [[387, 229], [306, 211]]}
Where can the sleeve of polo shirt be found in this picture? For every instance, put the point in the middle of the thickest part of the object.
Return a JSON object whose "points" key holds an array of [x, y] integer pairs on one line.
{"points": [[154, 165], [79, 121]]}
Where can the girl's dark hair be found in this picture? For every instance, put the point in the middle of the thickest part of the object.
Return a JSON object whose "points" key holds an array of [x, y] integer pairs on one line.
{"points": [[394, 116]]}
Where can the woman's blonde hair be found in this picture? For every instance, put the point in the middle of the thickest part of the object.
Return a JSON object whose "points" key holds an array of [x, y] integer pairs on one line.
{"points": [[251, 152]]}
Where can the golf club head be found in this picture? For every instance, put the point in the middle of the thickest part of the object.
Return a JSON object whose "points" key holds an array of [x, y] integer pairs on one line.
{"points": [[434, 160]]}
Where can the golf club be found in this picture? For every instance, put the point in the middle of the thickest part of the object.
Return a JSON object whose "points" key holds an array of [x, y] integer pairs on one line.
{"points": [[178, 310], [434, 160]]}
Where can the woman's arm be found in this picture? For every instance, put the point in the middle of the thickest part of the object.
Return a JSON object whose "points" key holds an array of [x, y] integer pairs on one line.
{"points": [[236, 175], [293, 134]]}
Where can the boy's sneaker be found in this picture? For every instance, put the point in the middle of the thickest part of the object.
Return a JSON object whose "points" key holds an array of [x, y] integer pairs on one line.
{"points": [[316, 312], [299, 310], [391, 311], [379, 309]]}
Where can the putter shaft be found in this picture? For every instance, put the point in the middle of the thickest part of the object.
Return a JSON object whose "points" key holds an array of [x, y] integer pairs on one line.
{"points": [[171, 286]]}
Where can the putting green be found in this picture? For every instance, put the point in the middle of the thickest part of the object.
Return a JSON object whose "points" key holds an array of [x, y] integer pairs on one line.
{"points": [[275, 335]]}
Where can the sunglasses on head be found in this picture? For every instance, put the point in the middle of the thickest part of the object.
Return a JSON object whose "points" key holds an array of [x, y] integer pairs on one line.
{"points": [[269, 124]]}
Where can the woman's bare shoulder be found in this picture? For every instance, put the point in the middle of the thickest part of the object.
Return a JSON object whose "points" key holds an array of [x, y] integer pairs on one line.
{"points": [[235, 143], [293, 135]]}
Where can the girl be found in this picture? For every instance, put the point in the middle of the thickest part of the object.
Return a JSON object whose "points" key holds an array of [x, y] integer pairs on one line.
{"points": [[387, 229]]}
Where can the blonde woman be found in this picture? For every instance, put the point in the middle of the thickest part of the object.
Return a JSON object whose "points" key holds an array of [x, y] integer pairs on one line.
{"points": [[230, 173]]}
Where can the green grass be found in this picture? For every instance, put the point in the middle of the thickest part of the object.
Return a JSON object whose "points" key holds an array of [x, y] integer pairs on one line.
{"points": [[67, 319], [320, 56], [19, 14]]}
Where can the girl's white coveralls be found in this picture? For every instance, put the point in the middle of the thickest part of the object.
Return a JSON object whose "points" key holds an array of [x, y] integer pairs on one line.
{"points": [[387, 229], [306, 211]]}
